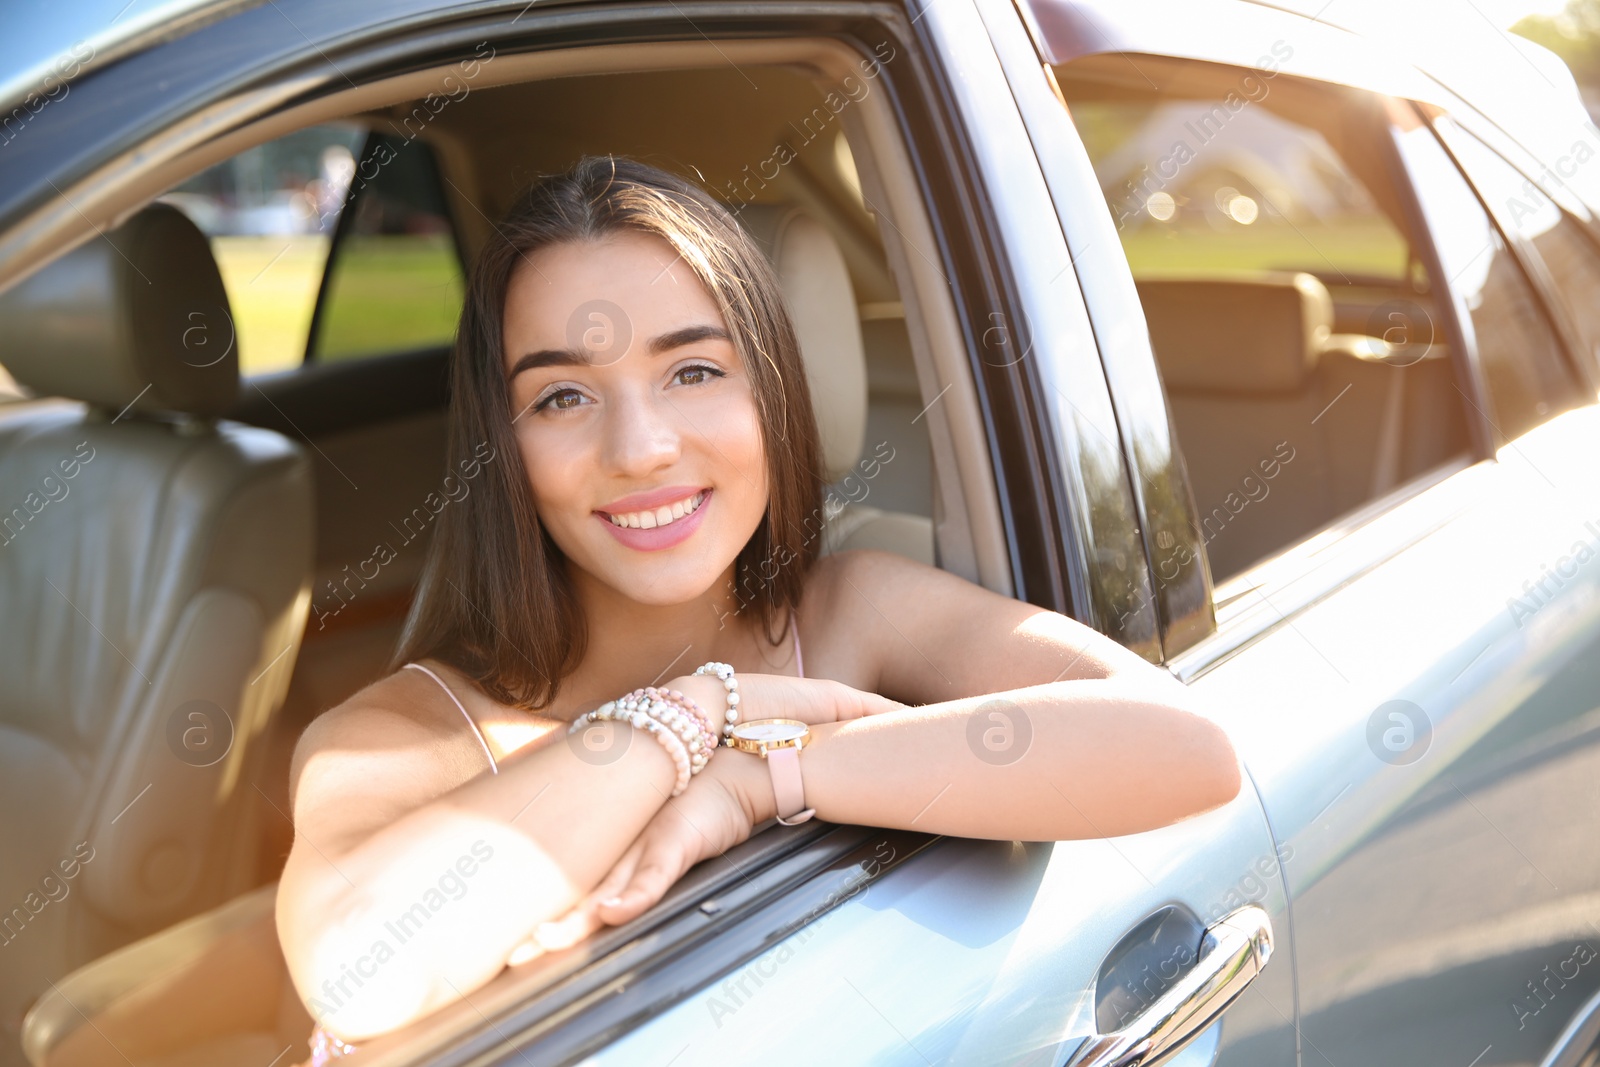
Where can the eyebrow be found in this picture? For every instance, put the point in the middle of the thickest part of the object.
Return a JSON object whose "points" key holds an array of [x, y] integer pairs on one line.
{"points": [[571, 357]]}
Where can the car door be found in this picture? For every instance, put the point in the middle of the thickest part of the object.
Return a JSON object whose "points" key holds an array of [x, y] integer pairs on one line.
{"points": [[1411, 666]]}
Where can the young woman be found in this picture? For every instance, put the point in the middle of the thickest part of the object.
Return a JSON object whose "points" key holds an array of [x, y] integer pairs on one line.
{"points": [[631, 423]]}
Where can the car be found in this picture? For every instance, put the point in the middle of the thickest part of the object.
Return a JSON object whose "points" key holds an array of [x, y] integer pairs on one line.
{"points": [[1244, 336]]}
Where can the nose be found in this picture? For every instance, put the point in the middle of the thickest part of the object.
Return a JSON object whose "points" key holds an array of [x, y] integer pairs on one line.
{"points": [[643, 433]]}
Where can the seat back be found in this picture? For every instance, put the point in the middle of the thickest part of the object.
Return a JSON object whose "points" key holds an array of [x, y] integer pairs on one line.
{"points": [[817, 289], [155, 569], [1239, 359]]}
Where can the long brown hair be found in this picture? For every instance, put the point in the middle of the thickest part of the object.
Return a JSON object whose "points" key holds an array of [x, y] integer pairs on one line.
{"points": [[495, 599]]}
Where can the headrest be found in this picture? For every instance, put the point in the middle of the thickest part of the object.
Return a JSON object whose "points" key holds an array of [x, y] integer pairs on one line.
{"points": [[137, 312], [1261, 334], [816, 287]]}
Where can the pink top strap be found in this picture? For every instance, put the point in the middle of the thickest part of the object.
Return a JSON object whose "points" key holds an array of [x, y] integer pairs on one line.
{"points": [[794, 625], [481, 739]]}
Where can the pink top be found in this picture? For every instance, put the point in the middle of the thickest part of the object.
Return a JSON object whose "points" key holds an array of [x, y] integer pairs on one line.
{"points": [[324, 1046]]}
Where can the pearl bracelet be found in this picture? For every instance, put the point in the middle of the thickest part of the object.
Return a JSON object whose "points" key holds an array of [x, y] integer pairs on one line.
{"points": [[724, 671], [674, 719], [682, 716]]}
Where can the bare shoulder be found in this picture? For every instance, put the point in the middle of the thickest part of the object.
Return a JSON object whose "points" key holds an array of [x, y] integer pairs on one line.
{"points": [[855, 610], [921, 634], [885, 578], [385, 750]]}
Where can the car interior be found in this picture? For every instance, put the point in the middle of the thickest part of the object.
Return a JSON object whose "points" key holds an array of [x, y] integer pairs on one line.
{"points": [[241, 513]]}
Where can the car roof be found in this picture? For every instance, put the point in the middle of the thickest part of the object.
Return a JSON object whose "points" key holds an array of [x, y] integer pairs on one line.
{"points": [[43, 39], [1525, 89]]}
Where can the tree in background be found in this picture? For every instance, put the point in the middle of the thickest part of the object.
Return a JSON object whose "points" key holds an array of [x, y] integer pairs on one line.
{"points": [[1574, 35]]}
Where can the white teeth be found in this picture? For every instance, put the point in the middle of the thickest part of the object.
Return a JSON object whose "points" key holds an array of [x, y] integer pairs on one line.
{"points": [[662, 516]]}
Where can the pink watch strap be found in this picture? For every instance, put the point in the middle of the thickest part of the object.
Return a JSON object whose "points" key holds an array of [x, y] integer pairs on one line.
{"points": [[784, 763]]}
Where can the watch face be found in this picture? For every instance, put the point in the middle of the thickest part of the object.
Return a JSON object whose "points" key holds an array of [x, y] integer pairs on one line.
{"points": [[769, 730]]}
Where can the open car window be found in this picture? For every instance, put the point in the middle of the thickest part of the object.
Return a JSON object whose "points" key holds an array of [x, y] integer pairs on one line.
{"points": [[380, 275]]}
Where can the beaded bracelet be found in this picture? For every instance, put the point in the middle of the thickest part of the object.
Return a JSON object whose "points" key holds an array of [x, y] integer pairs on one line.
{"points": [[675, 720], [724, 671], [640, 719], [682, 716]]}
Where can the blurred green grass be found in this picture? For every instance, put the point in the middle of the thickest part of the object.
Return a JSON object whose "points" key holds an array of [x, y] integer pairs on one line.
{"points": [[1353, 247], [388, 293]]}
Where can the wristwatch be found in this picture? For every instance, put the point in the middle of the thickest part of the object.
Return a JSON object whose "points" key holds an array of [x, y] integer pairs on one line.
{"points": [[778, 741]]}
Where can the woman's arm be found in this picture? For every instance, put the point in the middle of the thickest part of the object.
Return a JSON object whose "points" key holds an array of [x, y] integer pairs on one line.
{"points": [[1023, 724], [1054, 762], [388, 909], [1030, 725]]}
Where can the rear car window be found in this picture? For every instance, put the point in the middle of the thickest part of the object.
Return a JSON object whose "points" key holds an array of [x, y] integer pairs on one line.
{"points": [[395, 280], [1545, 221], [270, 214], [1296, 327]]}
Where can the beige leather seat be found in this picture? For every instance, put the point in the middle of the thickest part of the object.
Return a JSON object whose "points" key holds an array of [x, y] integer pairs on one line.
{"points": [[1285, 425], [816, 286], [155, 572], [1239, 361]]}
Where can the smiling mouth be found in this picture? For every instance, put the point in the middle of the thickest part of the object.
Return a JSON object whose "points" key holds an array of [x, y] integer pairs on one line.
{"points": [[665, 515]]}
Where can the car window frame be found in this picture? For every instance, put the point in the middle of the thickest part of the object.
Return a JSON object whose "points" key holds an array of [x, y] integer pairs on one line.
{"points": [[1270, 594]]}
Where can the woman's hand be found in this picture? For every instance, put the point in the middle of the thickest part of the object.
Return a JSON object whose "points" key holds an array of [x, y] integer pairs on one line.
{"points": [[812, 701], [718, 810]]}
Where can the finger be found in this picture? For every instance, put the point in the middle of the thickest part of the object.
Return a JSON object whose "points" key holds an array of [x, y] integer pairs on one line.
{"points": [[857, 703], [528, 950], [568, 930], [662, 863], [583, 919], [621, 872], [874, 704]]}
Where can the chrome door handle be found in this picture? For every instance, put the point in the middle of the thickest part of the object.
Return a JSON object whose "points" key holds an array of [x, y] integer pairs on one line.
{"points": [[1241, 947]]}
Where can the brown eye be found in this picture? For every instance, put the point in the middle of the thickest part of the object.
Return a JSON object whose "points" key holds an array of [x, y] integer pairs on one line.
{"points": [[555, 400], [699, 371]]}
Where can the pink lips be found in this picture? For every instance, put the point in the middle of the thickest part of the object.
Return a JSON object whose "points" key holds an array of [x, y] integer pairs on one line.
{"points": [[649, 501], [659, 537]]}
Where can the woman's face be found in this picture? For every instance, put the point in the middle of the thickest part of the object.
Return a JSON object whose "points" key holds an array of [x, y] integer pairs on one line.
{"points": [[631, 406]]}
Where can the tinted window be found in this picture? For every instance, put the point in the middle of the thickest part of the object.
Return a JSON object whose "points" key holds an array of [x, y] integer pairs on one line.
{"points": [[395, 280], [1288, 309], [1521, 360]]}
